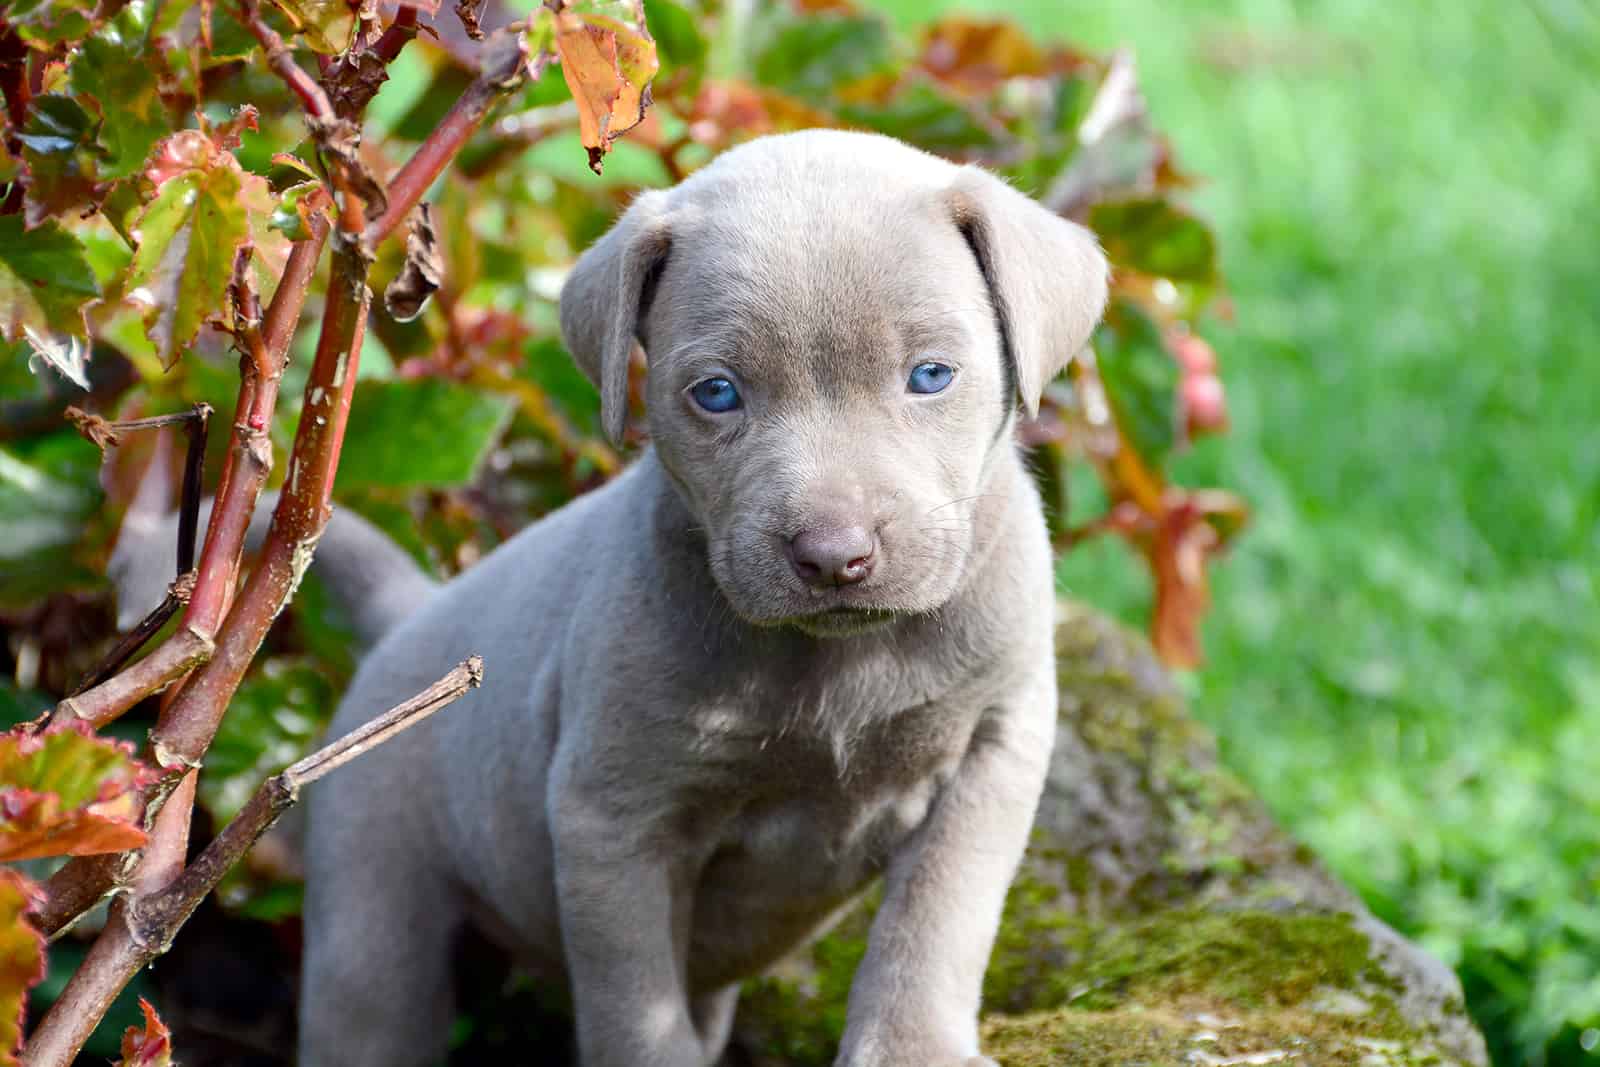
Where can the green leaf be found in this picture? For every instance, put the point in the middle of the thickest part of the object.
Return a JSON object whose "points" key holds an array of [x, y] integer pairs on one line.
{"points": [[187, 239], [927, 118], [291, 215], [1155, 237], [114, 70], [272, 720], [326, 24], [45, 280], [66, 792], [1141, 382], [229, 39], [273, 903], [547, 364], [60, 146], [678, 38], [48, 22], [432, 105], [812, 55], [426, 432], [47, 494], [21, 957]]}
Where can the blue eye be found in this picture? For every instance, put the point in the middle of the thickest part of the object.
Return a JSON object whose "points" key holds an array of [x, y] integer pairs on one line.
{"points": [[716, 395], [930, 378]]}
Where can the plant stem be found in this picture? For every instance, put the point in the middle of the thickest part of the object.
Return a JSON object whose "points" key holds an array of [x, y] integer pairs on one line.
{"points": [[400, 31], [163, 895], [184, 730], [178, 655], [249, 458], [312, 99], [85, 881], [141, 926], [163, 913], [505, 60]]}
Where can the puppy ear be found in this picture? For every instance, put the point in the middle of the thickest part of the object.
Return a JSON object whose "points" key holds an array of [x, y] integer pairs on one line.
{"points": [[604, 298], [1046, 276]]}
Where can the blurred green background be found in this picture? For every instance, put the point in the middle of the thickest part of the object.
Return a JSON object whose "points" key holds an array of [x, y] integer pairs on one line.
{"points": [[1404, 654]]}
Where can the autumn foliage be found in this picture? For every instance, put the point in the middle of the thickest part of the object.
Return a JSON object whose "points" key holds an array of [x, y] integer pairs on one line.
{"points": [[196, 200]]}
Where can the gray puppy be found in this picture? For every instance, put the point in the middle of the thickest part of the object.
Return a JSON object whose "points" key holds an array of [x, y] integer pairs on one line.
{"points": [[804, 641]]}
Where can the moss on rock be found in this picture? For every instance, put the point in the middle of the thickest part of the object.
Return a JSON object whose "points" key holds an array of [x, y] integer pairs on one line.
{"points": [[1160, 916], [1128, 1037]]}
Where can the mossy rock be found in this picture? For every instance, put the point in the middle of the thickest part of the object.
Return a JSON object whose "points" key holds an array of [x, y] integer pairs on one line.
{"points": [[1161, 916]]}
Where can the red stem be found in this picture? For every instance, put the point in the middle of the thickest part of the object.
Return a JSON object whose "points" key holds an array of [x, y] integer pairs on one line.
{"points": [[14, 78], [189, 721], [250, 449], [120, 950], [400, 31], [281, 60], [142, 924], [184, 730], [82, 882], [504, 60]]}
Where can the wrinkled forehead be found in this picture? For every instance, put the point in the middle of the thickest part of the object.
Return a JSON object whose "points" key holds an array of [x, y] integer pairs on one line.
{"points": [[755, 290]]}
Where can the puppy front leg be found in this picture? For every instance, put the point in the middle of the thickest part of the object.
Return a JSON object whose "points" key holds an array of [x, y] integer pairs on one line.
{"points": [[624, 911], [916, 995]]}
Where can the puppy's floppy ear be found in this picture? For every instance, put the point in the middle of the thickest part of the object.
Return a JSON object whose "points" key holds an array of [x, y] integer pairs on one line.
{"points": [[1046, 276], [604, 297]]}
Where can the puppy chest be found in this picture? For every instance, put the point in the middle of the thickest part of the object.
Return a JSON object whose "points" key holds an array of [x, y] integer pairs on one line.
{"points": [[816, 811], [783, 868], [814, 836], [830, 833]]}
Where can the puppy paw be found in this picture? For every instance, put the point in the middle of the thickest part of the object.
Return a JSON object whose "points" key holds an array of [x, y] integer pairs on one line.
{"points": [[979, 1061]]}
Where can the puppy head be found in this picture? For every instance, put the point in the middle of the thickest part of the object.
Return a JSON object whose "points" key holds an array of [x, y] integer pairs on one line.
{"points": [[839, 329]]}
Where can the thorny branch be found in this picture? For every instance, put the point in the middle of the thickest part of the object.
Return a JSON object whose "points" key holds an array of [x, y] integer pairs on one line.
{"points": [[104, 694], [141, 925], [223, 635], [85, 881], [312, 99], [504, 68], [166, 911]]}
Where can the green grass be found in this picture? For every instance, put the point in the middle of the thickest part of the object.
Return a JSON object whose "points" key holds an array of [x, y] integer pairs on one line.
{"points": [[1404, 655]]}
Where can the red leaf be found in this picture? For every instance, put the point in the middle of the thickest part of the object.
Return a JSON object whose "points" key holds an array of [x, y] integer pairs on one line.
{"points": [[21, 959], [184, 151], [1194, 527], [67, 792], [974, 56], [151, 1047]]}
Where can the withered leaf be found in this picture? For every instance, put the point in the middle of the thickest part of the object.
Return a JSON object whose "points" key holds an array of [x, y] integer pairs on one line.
{"points": [[469, 12], [340, 141], [607, 63], [423, 270]]}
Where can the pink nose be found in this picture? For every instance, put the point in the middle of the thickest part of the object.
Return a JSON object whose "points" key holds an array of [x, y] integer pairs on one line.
{"points": [[832, 555]]}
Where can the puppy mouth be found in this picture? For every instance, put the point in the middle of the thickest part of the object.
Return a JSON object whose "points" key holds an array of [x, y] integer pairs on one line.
{"points": [[843, 621]]}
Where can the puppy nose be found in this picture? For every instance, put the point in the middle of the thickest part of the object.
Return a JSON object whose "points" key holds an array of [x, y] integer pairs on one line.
{"points": [[832, 555]]}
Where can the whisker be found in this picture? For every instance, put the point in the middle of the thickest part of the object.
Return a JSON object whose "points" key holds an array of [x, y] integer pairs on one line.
{"points": [[961, 500]]}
